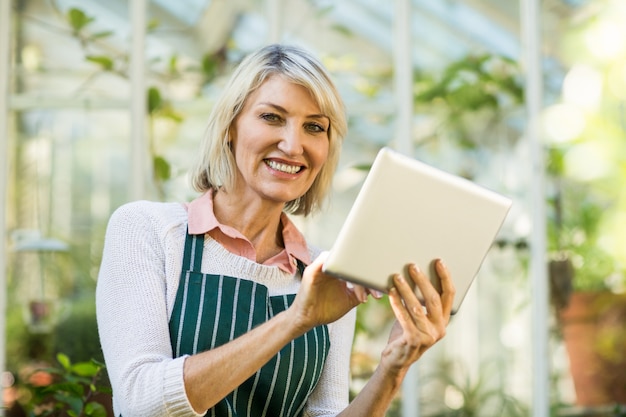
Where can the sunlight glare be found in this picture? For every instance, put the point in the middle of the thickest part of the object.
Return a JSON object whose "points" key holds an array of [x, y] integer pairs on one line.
{"points": [[563, 122], [583, 86], [453, 398], [586, 162], [606, 40], [617, 80]]}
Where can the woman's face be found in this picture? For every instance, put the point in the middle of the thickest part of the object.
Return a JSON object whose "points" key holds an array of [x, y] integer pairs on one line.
{"points": [[280, 142]]}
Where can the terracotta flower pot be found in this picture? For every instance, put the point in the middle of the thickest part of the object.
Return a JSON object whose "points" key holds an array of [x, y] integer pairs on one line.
{"points": [[593, 325]]}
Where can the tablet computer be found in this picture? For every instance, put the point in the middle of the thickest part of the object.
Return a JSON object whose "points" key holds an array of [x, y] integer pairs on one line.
{"points": [[408, 211]]}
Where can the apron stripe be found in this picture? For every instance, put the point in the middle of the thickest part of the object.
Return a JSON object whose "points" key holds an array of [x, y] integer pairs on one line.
{"points": [[217, 310], [257, 377], [198, 248], [251, 314], [275, 373], [179, 337], [290, 369], [234, 316], [273, 383], [305, 361], [199, 319]]}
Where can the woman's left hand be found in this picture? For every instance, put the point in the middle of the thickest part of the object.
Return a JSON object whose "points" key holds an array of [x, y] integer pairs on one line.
{"points": [[418, 326]]}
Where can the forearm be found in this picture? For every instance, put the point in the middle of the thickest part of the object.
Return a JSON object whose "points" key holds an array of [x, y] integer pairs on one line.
{"points": [[211, 375], [375, 398]]}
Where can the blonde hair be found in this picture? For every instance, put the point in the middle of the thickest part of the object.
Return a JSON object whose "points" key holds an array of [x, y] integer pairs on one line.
{"points": [[216, 167]]}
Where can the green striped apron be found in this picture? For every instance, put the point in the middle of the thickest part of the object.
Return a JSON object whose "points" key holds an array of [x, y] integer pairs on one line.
{"points": [[211, 310]]}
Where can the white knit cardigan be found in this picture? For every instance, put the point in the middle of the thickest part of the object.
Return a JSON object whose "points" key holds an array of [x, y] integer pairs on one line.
{"points": [[135, 294]]}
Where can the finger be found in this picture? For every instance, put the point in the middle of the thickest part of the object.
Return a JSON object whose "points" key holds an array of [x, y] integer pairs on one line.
{"points": [[321, 258], [408, 297], [403, 315], [413, 320], [375, 293], [422, 283], [432, 298], [359, 291], [448, 291]]}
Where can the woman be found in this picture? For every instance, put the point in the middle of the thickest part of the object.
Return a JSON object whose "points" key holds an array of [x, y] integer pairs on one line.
{"points": [[219, 307]]}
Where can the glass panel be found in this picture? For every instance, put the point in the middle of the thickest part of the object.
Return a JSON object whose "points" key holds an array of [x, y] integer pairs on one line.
{"points": [[69, 144]]}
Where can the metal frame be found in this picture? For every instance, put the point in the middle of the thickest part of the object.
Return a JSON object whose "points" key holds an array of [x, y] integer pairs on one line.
{"points": [[138, 106], [403, 92], [531, 36], [5, 32]]}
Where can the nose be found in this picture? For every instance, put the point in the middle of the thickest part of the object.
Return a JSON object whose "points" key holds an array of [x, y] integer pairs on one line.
{"points": [[292, 141]]}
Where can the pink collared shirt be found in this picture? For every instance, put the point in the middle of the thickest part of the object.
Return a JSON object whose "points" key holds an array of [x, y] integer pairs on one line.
{"points": [[202, 220]]}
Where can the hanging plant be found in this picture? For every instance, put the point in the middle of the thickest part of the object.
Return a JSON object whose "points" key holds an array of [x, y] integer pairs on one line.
{"points": [[473, 89]]}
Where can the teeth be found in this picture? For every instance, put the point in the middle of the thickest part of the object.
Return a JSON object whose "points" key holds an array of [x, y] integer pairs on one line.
{"points": [[289, 169]]}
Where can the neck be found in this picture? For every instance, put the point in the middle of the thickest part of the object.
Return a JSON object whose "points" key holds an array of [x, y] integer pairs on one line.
{"points": [[258, 221]]}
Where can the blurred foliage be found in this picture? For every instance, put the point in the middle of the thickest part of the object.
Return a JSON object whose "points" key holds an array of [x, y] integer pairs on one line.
{"points": [[77, 335], [467, 396], [488, 84], [585, 171], [64, 390], [159, 106], [576, 212]]}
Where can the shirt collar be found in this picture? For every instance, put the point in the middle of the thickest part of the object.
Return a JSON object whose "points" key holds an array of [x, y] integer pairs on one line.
{"points": [[202, 220]]}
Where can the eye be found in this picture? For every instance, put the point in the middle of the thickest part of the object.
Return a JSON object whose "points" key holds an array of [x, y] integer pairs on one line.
{"points": [[271, 117], [315, 127]]}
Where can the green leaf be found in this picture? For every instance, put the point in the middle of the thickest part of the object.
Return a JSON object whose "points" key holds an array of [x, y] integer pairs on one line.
{"points": [[342, 29], [153, 24], [162, 168], [75, 403], [64, 361], [362, 167], [70, 389], [101, 35], [324, 11], [95, 409], [556, 161], [85, 369], [154, 100], [173, 64], [169, 113], [78, 19], [209, 66], [104, 61]]}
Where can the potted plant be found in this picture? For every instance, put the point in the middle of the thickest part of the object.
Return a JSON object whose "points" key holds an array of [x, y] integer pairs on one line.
{"points": [[585, 282], [470, 98]]}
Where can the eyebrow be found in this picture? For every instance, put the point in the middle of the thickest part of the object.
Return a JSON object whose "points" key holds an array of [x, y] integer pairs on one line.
{"points": [[284, 110]]}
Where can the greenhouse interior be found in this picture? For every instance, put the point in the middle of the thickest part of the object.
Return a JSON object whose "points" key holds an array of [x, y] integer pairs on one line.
{"points": [[105, 102]]}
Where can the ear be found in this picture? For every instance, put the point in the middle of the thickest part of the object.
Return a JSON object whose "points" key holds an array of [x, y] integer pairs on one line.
{"points": [[229, 136]]}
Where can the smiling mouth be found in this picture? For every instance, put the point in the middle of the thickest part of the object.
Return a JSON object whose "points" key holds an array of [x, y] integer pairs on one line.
{"points": [[289, 169]]}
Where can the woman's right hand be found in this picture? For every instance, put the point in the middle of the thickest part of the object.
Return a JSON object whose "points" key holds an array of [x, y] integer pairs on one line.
{"points": [[323, 299]]}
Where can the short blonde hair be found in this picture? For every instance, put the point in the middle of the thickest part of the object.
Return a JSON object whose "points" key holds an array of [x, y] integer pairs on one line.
{"points": [[216, 168]]}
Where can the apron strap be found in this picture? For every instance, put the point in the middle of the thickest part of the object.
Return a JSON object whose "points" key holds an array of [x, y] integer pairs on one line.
{"points": [[192, 258], [301, 267]]}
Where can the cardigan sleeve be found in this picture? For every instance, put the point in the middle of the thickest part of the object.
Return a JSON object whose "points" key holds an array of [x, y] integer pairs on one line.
{"points": [[331, 395], [132, 317]]}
